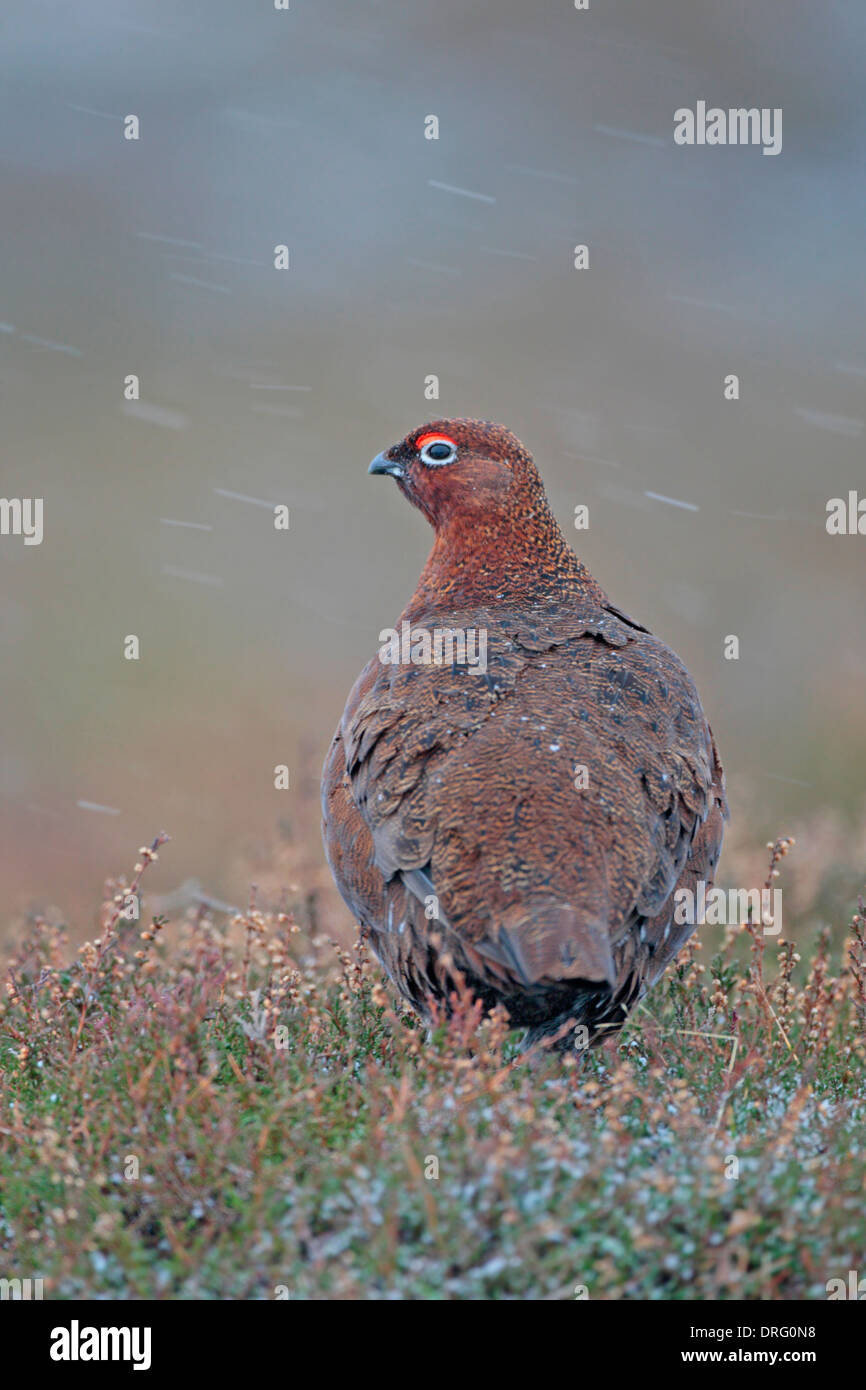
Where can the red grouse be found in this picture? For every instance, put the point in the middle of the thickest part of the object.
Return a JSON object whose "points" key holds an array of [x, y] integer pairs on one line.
{"points": [[524, 819]]}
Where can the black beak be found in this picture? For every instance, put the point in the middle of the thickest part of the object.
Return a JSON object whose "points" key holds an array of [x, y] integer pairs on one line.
{"points": [[382, 464]]}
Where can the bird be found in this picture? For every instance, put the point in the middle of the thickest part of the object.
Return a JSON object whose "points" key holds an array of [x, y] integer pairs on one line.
{"points": [[519, 826]]}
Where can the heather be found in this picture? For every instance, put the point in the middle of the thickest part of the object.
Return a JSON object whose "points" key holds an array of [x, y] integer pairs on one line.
{"points": [[237, 1106]]}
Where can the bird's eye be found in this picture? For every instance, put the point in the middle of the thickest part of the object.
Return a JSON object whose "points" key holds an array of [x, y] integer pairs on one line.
{"points": [[436, 449]]}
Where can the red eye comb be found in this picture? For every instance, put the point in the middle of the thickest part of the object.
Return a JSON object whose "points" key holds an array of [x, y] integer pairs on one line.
{"points": [[428, 439]]}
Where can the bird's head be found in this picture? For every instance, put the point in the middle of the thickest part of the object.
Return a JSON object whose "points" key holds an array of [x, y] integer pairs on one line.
{"points": [[454, 469], [495, 533]]}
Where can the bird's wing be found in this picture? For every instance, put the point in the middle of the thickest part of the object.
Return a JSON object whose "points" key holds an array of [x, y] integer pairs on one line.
{"points": [[551, 804]]}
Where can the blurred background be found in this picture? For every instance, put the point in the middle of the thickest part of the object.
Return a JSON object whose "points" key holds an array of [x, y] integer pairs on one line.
{"points": [[306, 128]]}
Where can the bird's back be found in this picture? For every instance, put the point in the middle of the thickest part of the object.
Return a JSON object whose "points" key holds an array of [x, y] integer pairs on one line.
{"points": [[536, 817]]}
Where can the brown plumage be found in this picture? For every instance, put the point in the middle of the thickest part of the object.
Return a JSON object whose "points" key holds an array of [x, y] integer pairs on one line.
{"points": [[459, 793]]}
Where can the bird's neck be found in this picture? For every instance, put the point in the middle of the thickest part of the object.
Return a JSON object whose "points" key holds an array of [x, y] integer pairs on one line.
{"points": [[498, 559]]}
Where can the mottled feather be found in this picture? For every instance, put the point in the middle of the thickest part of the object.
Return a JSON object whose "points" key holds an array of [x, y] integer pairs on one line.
{"points": [[456, 819]]}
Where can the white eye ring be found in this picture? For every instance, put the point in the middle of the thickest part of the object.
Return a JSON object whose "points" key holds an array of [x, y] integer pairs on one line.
{"points": [[432, 462]]}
